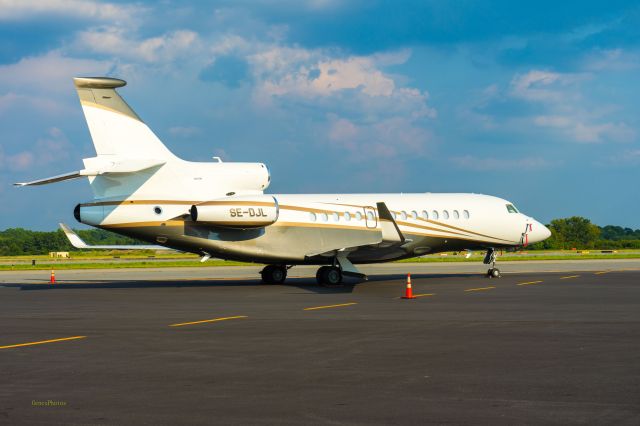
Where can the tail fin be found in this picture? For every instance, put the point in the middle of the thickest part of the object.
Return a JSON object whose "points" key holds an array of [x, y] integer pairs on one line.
{"points": [[115, 128]]}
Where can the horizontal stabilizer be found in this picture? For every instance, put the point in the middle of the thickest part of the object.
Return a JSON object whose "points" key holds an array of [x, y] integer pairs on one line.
{"points": [[100, 166], [78, 242], [52, 179]]}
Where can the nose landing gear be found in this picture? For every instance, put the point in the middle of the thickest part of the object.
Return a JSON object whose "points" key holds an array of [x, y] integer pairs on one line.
{"points": [[490, 259]]}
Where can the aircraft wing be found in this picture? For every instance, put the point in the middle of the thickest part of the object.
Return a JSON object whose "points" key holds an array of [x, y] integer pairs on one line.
{"points": [[78, 242]]}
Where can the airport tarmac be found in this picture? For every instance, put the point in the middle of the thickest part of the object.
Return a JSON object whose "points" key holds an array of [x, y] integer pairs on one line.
{"points": [[533, 347], [178, 274]]}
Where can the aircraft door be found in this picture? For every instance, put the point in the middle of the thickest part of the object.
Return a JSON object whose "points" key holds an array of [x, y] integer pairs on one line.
{"points": [[370, 217]]}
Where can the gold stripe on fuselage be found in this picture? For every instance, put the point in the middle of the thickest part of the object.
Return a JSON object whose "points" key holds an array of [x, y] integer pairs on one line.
{"points": [[298, 208]]}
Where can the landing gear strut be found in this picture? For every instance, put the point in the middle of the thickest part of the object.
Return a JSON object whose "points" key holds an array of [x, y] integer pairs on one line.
{"points": [[490, 259], [329, 275], [274, 274]]}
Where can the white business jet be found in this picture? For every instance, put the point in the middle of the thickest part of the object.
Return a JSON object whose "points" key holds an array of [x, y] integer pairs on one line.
{"points": [[219, 209]]}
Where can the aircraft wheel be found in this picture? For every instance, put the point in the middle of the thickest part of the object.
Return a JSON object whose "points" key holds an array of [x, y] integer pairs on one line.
{"points": [[494, 273], [274, 274], [331, 276], [319, 274]]}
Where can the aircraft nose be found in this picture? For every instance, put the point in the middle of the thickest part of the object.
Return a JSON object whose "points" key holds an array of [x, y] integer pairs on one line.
{"points": [[539, 232]]}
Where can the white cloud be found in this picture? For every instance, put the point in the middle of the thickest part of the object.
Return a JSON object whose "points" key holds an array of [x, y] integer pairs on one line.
{"points": [[321, 78], [391, 138], [501, 164], [11, 10], [53, 148], [613, 59], [40, 103], [583, 131], [121, 43], [51, 72], [538, 85], [184, 132]]}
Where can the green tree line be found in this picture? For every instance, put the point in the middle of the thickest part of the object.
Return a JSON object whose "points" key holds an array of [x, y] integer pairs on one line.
{"points": [[579, 233], [19, 241], [573, 232]]}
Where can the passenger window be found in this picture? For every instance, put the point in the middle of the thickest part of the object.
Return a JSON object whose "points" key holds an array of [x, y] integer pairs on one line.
{"points": [[435, 214], [425, 215], [456, 215], [403, 215], [370, 215], [358, 216], [414, 214], [324, 217], [347, 216], [336, 217], [445, 214], [465, 214], [511, 208], [312, 216]]}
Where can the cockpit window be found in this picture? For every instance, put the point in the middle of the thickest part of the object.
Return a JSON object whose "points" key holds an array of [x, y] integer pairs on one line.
{"points": [[511, 208]]}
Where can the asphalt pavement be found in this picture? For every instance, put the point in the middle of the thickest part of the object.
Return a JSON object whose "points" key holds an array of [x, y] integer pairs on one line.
{"points": [[529, 348]]}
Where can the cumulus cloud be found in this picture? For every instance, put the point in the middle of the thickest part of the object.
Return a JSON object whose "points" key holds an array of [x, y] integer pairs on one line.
{"points": [[120, 42], [13, 10], [51, 72], [288, 71], [554, 101]]}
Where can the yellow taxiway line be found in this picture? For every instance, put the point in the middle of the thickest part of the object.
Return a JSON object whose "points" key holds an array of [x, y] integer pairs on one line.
{"points": [[569, 277], [208, 320], [530, 283], [480, 288], [42, 342], [330, 306], [602, 272]]}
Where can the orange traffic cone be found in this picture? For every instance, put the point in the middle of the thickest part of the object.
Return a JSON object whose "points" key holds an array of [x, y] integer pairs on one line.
{"points": [[53, 277], [408, 292]]}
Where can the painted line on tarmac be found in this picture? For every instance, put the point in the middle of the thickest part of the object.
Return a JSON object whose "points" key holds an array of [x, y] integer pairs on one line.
{"points": [[602, 272], [530, 283], [569, 277], [42, 342], [480, 288], [208, 320], [330, 306], [424, 295]]}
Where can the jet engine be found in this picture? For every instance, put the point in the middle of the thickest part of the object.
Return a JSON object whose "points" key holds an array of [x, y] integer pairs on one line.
{"points": [[242, 212]]}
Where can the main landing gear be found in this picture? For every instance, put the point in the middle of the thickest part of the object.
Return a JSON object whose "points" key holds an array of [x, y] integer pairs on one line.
{"points": [[329, 275], [274, 274], [490, 259]]}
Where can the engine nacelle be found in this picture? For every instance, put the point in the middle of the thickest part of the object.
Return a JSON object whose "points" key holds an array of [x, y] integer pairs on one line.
{"points": [[90, 215], [251, 211]]}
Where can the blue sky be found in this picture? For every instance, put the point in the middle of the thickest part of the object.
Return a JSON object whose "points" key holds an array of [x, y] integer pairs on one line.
{"points": [[536, 103]]}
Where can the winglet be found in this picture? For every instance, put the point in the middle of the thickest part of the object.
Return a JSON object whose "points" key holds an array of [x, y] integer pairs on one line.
{"points": [[74, 238], [390, 230]]}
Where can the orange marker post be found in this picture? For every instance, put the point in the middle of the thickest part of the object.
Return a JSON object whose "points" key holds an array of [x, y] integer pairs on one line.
{"points": [[408, 294]]}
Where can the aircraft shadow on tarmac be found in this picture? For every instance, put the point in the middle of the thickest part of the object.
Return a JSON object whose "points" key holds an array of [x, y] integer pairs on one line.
{"points": [[308, 284]]}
